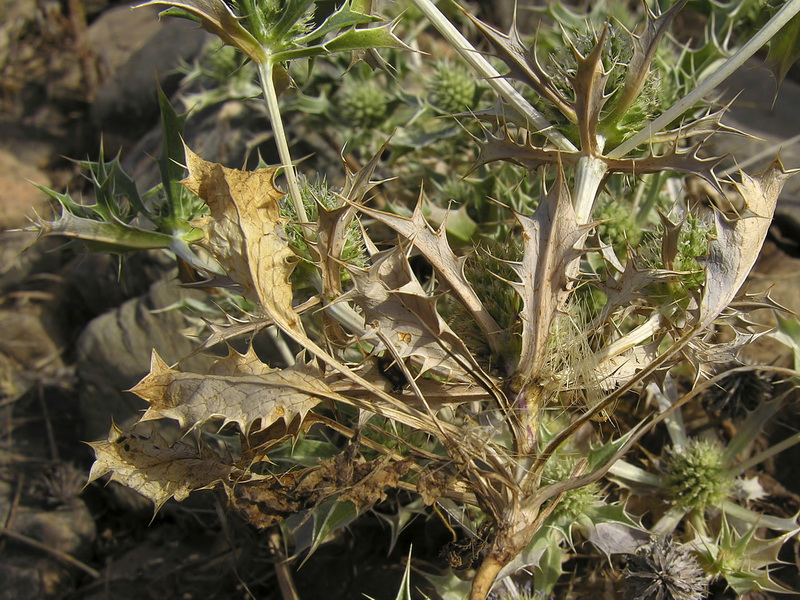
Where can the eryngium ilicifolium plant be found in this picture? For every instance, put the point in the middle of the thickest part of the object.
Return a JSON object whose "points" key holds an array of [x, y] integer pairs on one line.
{"points": [[463, 379]]}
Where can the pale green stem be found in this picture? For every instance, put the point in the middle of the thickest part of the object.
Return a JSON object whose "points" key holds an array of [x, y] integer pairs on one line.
{"points": [[499, 83], [789, 10], [634, 474], [667, 524], [589, 174], [758, 519], [274, 112], [630, 340], [769, 452]]}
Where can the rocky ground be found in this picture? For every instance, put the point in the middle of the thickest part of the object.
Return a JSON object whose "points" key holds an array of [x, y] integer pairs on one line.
{"points": [[75, 331]]}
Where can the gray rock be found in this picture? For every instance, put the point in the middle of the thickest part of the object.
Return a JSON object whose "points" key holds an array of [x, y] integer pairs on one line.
{"points": [[139, 52], [774, 125], [29, 572], [114, 354]]}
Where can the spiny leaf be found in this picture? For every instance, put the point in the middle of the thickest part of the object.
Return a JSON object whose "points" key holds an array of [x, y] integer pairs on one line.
{"points": [[784, 50], [705, 126], [625, 287], [347, 41], [433, 245], [155, 469], [501, 146], [216, 17], [170, 163], [589, 84], [524, 65], [238, 389], [738, 242], [675, 159], [644, 49], [395, 303], [549, 240], [343, 17], [245, 233], [100, 236]]}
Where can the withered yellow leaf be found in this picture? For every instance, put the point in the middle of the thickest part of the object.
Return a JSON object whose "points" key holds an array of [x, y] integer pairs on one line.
{"points": [[738, 241], [155, 469], [245, 233], [240, 397]]}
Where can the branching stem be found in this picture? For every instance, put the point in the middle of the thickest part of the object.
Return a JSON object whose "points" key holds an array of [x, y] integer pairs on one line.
{"points": [[499, 83], [265, 71], [765, 34]]}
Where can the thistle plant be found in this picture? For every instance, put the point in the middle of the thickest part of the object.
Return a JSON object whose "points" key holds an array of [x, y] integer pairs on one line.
{"points": [[473, 365]]}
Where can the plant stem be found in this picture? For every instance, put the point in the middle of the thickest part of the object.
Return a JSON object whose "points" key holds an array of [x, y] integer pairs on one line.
{"points": [[789, 10], [769, 452], [273, 110], [485, 577], [589, 174], [499, 83]]}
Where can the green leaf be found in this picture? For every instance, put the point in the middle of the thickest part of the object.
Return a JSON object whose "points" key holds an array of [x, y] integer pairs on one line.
{"points": [[784, 50], [364, 39], [404, 593], [172, 159], [100, 236], [549, 569], [328, 517], [789, 334], [600, 456], [291, 12], [343, 18], [352, 39], [304, 452], [449, 586], [749, 429]]}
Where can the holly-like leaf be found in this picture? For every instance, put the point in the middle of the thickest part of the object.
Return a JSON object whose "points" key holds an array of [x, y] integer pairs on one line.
{"points": [[155, 469], [589, 85], [524, 65], [245, 233], [237, 390], [399, 312], [350, 40], [216, 17], [100, 236], [644, 49], [550, 237], [433, 245], [738, 241]]}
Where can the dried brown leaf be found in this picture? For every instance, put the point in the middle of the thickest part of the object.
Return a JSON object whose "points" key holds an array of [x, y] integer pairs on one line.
{"points": [[501, 146], [524, 65], [155, 469], [245, 233], [371, 479], [738, 242], [549, 237], [589, 85], [675, 159], [235, 390], [275, 498], [433, 245], [644, 49], [395, 304]]}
